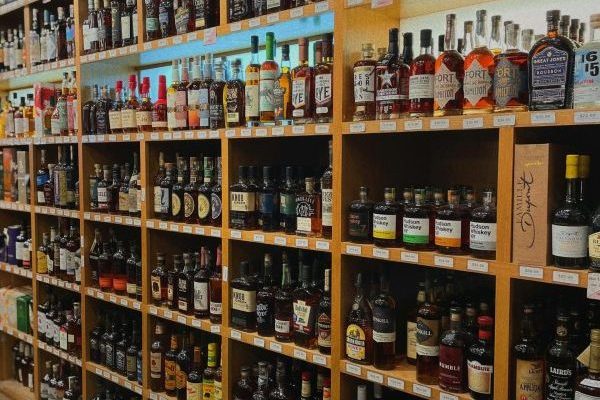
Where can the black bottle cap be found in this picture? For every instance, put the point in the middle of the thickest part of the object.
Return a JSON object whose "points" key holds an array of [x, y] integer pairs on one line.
{"points": [[267, 171], [407, 38], [254, 44], [441, 43], [285, 50], [425, 37], [552, 15], [244, 268], [242, 172], [393, 34]]}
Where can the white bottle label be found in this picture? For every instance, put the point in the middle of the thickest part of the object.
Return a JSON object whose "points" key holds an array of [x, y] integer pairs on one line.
{"points": [[243, 300], [327, 207], [421, 87], [364, 83], [586, 89], [482, 236], [478, 82], [570, 241], [446, 86], [384, 226]]}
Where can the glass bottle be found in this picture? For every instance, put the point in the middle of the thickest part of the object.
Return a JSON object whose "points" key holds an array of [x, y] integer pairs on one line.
{"points": [[166, 18], [282, 90], [177, 199], [268, 202], [529, 357], [451, 226], [243, 300], [384, 326], [588, 385], [204, 92], [282, 390], [480, 361], [392, 82], [265, 300], [114, 115], [152, 24], [269, 71], [570, 224], [158, 281], [495, 44], [194, 378], [113, 190], [449, 75], [453, 360], [305, 306], [166, 191], [193, 95], [160, 175], [201, 295], [216, 98], [172, 122], [327, 196], [201, 209], [302, 86], [105, 268], [324, 316], [364, 85], [479, 72], [551, 61], [181, 106], [215, 197], [242, 203], [360, 218], [190, 194], [308, 210], [428, 331], [210, 372], [511, 91], [215, 285], [284, 313], [105, 27], [287, 202], [586, 83], [385, 217], [234, 98], [324, 82], [422, 78], [252, 89], [418, 224], [482, 229], [238, 10], [359, 327], [244, 387], [159, 110], [143, 115]]}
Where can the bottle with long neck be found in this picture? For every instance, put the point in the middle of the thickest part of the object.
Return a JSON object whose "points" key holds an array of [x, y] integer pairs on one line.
{"points": [[252, 85], [449, 75], [283, 89], [422, 77], [193, 95], [204, 92], [172, 122], [302, 86], [160, 109], [587, 79], [34, 39], [216, 105], [181, 96], [268, 75], [588, 386], [128, 113]]}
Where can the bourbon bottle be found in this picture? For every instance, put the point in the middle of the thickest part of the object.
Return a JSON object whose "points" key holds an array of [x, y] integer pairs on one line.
{"points": [[324, 82], [392, 82], [305, 305], [479, 72], [252, 89], [243, 300], [449, 75], [159, 110], [308, 210], [480, 362], [364, 85], [302, 86], [384, 326], [529, 377], [511, 91], [588, 386], [418, 224], [385, 220], [359, 327], [428, 340], [129, 110], [215, 98], [234, 98], [242, 202], [482, 230], [451, 226], [453, 357], [269, 71], [360, 217], [422, 78], [143, 116], [282, 91]]}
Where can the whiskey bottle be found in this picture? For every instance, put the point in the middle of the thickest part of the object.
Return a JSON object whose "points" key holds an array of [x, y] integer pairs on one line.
{"points": [[480, 362], [177, 200], [324, 82], [479, 72], [173, 282], [171, 367], [158, 281], [364, 85], [305, 306], [166, 190], [422, 78], [265, 301], [216, 98], [302, 86], [287, 202], [234, 98], [495, 44], [385, 217], [453, 360], [183, 366], [190, 195], [324, 316], [411, 326], [157, 359], [451, 226], [588, 385], [152, 24], [160, 108], [327, 196], [252, 91], [201, 293], [143, 115], [215, 284], [282, 389], [134, 190], [113, 190], [105, 268], [284, 313], [114, 115], [587, 69], [238, 10], [172, 122], [359, 327], [184, 16], [282, 90], [428, 331], [392, 82], [185, 286], [551, 61], [243, 300], [181, 106], [308, 210], [123, 202], [529, 378], [384, 326], [132, 272], [194, 378], [511, 91], [209, 389], [268, 202], [482, 230], [360, 218], [193, 94], [215, 198], [418, 226], [242, 202], [449, 75], [166, 18], [269, 71], [570, 224]]}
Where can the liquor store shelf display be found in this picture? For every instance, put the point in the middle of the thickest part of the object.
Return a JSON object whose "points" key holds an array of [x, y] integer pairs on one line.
{"points": [[240, 218]]}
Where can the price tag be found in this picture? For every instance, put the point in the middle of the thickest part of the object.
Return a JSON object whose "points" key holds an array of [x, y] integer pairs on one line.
{"points": [[187, 229], [102, 56], [181, 319], [118, 220], [100, 295], [168, 314], [177, 39], [409, 256], [246, 132], [112, 138], [570, 278], [300, 354], [413, 124], [163, 225], [442, 261], [167, 135], [277, 131], [593, 288], [354, 250], [387, 126], [298, 129], [261, 132], [473, 123], [139, 136], [197, 323], [112, 298], [210, 36], [162, 43], [272, 18], [280, 241], [137, 305], [235, 26], [531, 272], [215, 232], [353, 369], [322, 245], [225, 273], [174, 228], [212, 134], [123, 302], [235, 234], [230, 133], [301, 242], [374, 377], [259, 237], [154, 136], [260, 342], [357, 127], [504, 120], [395, 383], [189, 135], [274, 346], [191, 36], [137, 221], [322, 6], [254, 22], [199, 230], [296, 12], [319, 359], [544, 117], [587, 117], [477, 266], [439, 123], [447, 396], [381, 253], [177, 135], [421, 390], [215, 328], [150, 224], [237, 335], [138, 390], [153, 310]]}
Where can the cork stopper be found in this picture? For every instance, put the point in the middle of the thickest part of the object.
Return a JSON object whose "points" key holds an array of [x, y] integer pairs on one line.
{"points": [[572, 165]]}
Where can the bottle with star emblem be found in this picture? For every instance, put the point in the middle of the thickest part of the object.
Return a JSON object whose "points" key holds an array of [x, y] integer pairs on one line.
{"points": [[391, 92], [449, 74]]}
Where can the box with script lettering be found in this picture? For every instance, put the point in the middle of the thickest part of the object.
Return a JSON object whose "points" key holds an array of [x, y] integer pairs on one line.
{"points": [[537, 188]]}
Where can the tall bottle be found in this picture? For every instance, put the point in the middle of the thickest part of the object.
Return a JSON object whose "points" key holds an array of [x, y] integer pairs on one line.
{"points": [[302, 86], [181, 106], [34, 39], [449, 75], [586, 83], [193, 95], [479, 72], [172, 122], [269, 71], [392, 82], [422, 78], [428, 340], [511, 89], [130, 107], [359, 327], [216, 99], [364, 85], [282, 91], [588, 386], [384, 326], [252, 89], [160, 109], [234, 98], [480, 361], [529, 377], [324, 82]]}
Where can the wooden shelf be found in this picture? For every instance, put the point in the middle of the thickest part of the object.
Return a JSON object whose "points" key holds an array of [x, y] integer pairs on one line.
{"points": [[113, 138], [50, 280], [17, 73], [10, 7], [59, 353], [550, 274], [281, 239], [112, 219], [201, 134], [14, 332], [13, 205], [46, 140], [122, 301], [403, 378], [15, 141], [115, 378], [278, 131], [13, 269], [159, 396], [425, 258], [192, 229], [59, 212], [288, 349], [180, 318], [109, 54], [52, 66]]}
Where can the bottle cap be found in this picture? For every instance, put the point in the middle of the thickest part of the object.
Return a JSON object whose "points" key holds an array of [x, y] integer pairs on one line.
{"points": [[393, 35], [119, 86], [552, 15], [583, 166], [425, 37], [572, 165], [306, 376], [146, 81], [254, 44]]}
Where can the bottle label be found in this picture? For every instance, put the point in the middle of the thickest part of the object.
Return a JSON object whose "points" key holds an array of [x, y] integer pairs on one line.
{"points": [[303, 317], [218, 391], [188, 205], [208, 388], [267, 81], [509, 82], [570, 241], [143, 118], [384, 325], [411, 340], [201, 296], [114, 119], [282, 326], [123, 202], [594, 245], [428, 335], [298, 96], [323, 92], [204, 108], [134, 199], [216, 308], [364, 84], [126, 27], [529, 380], [264, 313], [452, 360], [156, 288], [157, 197], [388, 85], [271, 4], [446, 86], [170, 375], [304, 224], [171, 104], [243, 300], [181, 379], [215, 206], [478, 82], [359, 224], [448, 233], [287, 205], [583, 396], [181, 108], [384, 226], [193, 390], [63, 339], [356, 343], [252, 95], [586, 85], [327, 207], [324, 330], [549, 70], [243, 201], [175, 204], [41, 265], [482, 236], [266, 203], [480, 377], [421, 86], [415, 230]]}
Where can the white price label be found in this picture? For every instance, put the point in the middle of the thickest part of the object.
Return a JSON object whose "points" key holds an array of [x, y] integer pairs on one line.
{"points": [[587, 117], [296, 12], [353, 249], [322, 6], [215, 232], [301, 242], [395, 383], [174, 227], [153, 310], [199, 231], [168, 314], [504, 120], [177, 135], [319, 359], [322, 245], [280, 241], [322, 129], [260, 132], [235, 26], [230, 133], [353, 369], [235, 234], [442, 261], [273, 346], [215, 328], [277, 131], [187, 229], [473, 123], [254, 22], [374, 377], [260, 342], [477, 266], [177, 39], [181, 319], [531, 272], [593, 288], [571, 278], [196, 323], [543, 117], [421, 390], [298, 129], [413, 125], [272, 18], [381, 253], [258, 237], [300, 354], [409, 256], [447, 396], [387, 126], [439, 123], [237, 335], [357, 127]]}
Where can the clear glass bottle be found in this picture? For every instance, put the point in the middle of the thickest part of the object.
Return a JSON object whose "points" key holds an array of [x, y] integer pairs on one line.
{"points": [[586, 85], [479, 72]]}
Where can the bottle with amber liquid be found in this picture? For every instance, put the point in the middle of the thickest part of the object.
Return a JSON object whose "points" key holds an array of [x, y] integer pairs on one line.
{"points": [[479, 72], [364, 85], [451, 226], [191, 192], [252, 92], [302, 86], [453, 357], [384, 326], [551, 63], [449, 75], [269, 71], [360, 217], [588, 386], [243, 300], [193, 95], [359, 327], [428, 340], [234, 98], [305, 304], [422, 78], [172, 97], [215, 283], [114, 114], [385, 220], [177, 192], [215, 98], [171, 367], [411, 325], [159, 110], [282, 91], [418, 227], [181, 106], [529, 359], [480, 362], [324, 82], [129, 110], [143, 116], [511, 91], [482, 227], [157, 359], [391, 82]]}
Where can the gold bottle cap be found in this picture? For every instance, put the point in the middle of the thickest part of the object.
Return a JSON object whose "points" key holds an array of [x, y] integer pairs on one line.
{"points": [[583, 168], [594, 20], [572, 164], [595, 335]]}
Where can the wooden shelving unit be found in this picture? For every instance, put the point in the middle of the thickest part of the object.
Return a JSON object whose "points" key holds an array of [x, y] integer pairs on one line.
{"points": [[353, 22]]}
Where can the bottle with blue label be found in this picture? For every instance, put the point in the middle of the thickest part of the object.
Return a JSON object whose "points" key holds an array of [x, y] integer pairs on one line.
{"points": [[551, 62], [586, 90]]}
